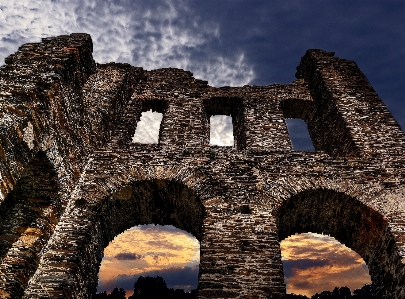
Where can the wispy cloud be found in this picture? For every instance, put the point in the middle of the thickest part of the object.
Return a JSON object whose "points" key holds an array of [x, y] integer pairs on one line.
{"points": [[221, 130], [291, 266], [168, 245], [151, 35], [147, 128]]}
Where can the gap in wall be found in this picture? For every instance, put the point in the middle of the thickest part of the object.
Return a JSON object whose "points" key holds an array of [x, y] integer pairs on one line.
{"points": [[150, 250], [147, 129], [221, 130], [313, 263], [299, 135]]}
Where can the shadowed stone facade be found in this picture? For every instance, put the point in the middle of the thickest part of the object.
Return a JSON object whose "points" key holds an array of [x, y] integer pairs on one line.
{"points": [[71, 179]]}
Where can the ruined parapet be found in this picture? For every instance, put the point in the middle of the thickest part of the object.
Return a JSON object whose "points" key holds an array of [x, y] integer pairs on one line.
{"points": [[40, 102], [106, 96], [72, 178], [348, 116]]}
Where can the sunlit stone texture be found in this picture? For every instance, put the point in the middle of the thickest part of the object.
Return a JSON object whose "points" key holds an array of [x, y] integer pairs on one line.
{"points": [[72, 179]]}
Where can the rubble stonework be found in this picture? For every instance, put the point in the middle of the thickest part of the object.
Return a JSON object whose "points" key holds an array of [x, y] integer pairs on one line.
{"points": [[72, 180]]}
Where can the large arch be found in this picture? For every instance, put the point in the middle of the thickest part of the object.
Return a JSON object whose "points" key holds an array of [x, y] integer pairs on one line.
{"points": [[157, 201], [90, 222], [353, 223]]}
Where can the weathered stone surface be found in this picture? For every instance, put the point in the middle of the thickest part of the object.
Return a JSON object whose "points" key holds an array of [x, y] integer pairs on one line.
{"points": [[71, 179]]}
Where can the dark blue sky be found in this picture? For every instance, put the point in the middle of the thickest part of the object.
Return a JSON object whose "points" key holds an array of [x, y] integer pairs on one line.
{"points": [[273, 35], [228, 42]]}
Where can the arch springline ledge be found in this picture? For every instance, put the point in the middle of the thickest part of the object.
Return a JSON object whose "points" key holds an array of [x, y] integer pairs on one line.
{"points": [[70, 174]]}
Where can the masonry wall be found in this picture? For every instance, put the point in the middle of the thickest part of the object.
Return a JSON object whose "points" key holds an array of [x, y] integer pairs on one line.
{"points": [[70, 122]]}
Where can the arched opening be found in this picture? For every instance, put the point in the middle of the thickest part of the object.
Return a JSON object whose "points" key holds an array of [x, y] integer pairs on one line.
{"points": [[150, 250], [170, 205], [28, 217], [352, 223], [314, 263]]}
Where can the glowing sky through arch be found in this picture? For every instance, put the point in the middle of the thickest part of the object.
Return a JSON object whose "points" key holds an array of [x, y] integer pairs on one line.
{"points": [[314, 263], [150, 250]]}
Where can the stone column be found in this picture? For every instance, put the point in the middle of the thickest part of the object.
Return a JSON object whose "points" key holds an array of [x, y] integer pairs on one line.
{"points": [[240, 253], [266, 129], [69, 266], [183, 125]]}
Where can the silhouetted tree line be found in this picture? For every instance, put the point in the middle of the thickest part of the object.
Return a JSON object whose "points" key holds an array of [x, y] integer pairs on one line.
{"points": [[115, 294], [149, 288], [155, 287], [366, 292]]}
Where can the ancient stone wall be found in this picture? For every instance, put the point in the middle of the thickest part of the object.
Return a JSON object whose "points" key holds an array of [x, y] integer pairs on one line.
{"points": [[72, 179]]}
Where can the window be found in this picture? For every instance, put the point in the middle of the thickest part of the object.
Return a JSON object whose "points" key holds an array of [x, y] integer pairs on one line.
{"points": [[221, 130], [299, 135], [147, 129], [225, 122]]}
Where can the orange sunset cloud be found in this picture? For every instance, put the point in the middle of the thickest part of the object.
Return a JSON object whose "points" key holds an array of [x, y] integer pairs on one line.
{"points": [[149, 249], [314, 263]]}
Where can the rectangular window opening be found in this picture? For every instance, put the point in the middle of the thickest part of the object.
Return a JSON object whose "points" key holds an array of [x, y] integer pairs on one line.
{"points": [[221, 130], [147, 128], [299, 135]]}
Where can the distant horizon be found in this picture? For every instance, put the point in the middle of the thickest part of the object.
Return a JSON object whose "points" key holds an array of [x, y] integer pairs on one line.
{"points": [[335, 264]]}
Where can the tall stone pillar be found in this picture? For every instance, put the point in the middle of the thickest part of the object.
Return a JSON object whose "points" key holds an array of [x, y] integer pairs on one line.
{"points": [[240, 254]]}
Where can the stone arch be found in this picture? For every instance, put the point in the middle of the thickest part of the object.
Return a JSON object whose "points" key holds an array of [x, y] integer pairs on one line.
{"points": [[103, 208], [352, 222], [28, 217], [157, 201]]}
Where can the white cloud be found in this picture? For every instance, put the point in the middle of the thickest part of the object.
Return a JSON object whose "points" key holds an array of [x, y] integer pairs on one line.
{"points": [[167, 34], [221, 130], [147, 129]]}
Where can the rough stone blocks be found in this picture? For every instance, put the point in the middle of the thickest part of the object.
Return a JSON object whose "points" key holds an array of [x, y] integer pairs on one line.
{"points": [[71, 179]]}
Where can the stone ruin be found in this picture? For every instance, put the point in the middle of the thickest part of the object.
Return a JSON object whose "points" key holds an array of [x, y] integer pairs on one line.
{"points": [[72, 179]]}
